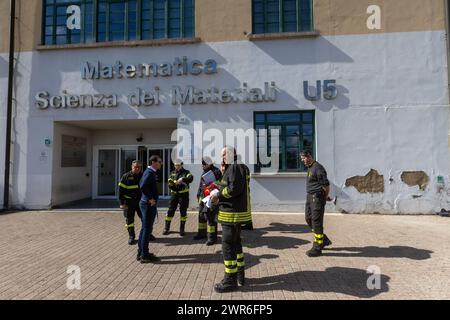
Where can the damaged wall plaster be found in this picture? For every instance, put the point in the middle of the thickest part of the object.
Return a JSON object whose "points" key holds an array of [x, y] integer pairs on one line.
{"points": [[415, 178], [372, 182]]}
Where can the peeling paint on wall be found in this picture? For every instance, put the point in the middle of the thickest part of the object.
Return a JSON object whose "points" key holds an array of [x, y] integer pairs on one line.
{"points": [[415, 178], [372, 182]]}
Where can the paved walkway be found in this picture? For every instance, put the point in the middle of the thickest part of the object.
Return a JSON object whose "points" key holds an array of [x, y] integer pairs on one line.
{"points": [[411, 252]]}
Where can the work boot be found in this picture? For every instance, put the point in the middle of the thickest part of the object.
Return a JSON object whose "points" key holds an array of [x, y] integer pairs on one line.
{"points": [[247, 226], [212, 239], [138, 257], [326, 242], [315, 251], [201, 234], [229, 283], [131, 236], [241, 276], [149, 258], [182, 224], [166, 228]]}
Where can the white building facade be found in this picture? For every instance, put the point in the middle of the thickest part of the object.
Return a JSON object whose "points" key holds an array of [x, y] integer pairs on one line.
{"points": [[375, 112]]}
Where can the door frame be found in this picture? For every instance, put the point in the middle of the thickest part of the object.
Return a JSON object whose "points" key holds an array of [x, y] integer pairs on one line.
{"points": [[126, 148], [163, 147], [95, 170], [119, 148]]}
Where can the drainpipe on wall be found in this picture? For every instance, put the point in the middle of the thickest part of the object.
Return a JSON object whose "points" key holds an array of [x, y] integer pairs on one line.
{"points": [[447, 36], [9, 104], [447, 40]]}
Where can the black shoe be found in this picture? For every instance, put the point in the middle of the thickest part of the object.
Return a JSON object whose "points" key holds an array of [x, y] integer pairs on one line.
{"points": [[226, 285], [151, 237], [138, 257], [241, 277], [326, 242], [131, 241], [247, 226], [182, 225], [199, 236], [314, 252], [182, 233], [149, 258], [212, 239], [166, 228]]}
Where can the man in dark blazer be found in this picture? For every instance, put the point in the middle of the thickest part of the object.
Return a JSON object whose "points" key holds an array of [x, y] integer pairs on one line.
{"points": [[149, 211]]}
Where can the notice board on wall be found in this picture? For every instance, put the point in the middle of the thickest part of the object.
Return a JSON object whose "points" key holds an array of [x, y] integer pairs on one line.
{"points": [[73, 151]]}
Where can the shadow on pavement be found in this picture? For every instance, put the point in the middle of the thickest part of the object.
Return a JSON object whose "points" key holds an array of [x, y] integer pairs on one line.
{"points": [[178, 240], [255, 238], [272, 242], [286, 228], [378, 252], [349, 281], [250, 259]]}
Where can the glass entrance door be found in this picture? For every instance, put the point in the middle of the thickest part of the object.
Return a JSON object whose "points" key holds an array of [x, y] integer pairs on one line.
{"points": [[110, 164], [164, 172], [107, 172], [127, 156]]}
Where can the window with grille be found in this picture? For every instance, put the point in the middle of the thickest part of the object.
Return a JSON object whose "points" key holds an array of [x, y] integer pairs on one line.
{"points": [[296, 131], [274, 16], [118, 20]]}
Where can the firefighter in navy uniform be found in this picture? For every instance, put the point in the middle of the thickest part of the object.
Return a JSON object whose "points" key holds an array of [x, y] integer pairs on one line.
{"points": [[207, 217], [317, 188], [234, 210], [178, 181], [129, 197]]}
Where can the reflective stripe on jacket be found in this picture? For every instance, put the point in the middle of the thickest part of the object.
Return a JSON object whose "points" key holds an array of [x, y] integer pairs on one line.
{"points": [[129, 187], [234, 199]]}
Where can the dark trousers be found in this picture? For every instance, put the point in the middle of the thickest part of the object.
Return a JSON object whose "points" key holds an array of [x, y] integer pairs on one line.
{"points": [[181, 199], [233, 256], [148, 219], [129, 214], [207, 218], [314, 214]]}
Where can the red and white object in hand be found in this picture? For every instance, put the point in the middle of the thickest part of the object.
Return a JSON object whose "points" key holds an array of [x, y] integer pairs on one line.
{"points": [[209, 192]]}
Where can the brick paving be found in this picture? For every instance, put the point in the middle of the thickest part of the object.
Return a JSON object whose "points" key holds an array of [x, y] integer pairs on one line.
{"points": [[36, 248]]}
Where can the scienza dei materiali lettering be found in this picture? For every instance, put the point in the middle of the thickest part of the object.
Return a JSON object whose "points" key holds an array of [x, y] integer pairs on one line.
{"points": [[139, 97]]}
